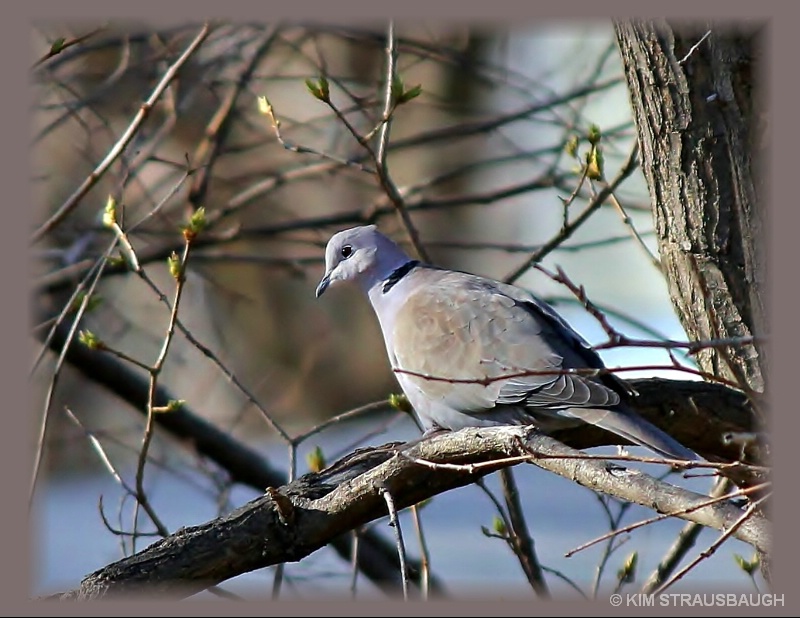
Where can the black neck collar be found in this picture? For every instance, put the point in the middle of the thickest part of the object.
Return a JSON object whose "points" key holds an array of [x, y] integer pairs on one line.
{"points": [[397, 274]]}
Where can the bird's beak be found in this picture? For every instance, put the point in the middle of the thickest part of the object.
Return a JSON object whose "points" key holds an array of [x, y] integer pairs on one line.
{"points": [[323, 284]]}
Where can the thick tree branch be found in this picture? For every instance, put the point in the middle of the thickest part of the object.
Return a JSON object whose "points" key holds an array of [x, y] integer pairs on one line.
{"points": [[377, 558], [289, 523], [696, 413]]}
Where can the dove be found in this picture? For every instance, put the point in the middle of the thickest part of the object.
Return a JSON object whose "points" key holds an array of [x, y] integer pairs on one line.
{"points": [[469, 351]]}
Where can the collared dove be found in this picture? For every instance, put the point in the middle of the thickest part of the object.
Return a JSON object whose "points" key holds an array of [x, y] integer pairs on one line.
{"points": [[470, 351]]}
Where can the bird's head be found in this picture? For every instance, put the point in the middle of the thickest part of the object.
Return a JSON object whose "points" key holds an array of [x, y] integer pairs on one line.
{"points": [[360, 254]]}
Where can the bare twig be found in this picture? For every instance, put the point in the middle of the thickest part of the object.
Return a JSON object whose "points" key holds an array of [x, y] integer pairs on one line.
{"points": [[650, 520], [73, 200], [61, 45], [683, 543], [217, 129], [344, 416], [381, 163], [129, 491], [694, 47], [388, 98], [87, 101], [425, 561], [98, 448], [617, 339], [610, 547], [394, 522], [277, 581], [578, 371], [727, 534], [354, 563], [208, 353], [155, 371], [626, 170], [40, 445], [53, 323], [521, 538], [330, 159], [628, 222]]}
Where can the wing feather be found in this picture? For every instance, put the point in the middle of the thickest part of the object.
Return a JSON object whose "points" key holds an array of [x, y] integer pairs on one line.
{"points": [[458, 336]]}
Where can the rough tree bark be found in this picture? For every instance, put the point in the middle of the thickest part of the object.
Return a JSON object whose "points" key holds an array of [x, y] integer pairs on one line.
{"points": [[700, 118], [697, 115], [289, 523]]}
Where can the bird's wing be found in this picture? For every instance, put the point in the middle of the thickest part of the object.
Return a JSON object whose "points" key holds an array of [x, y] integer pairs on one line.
{"points": [[468, 342]]}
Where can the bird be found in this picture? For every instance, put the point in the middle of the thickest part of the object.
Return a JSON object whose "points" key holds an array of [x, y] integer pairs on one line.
{"points": [[470, 351]]}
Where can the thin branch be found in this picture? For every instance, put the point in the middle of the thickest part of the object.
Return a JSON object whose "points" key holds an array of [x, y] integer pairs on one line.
{"points": [[610, 547], [61, 45], [694, 47], [330, 159], [277, 581], [217, 129], [208, 353], [425, 561], [381, 163], [354, 563], [656, 518], [53, 323], [98, 448], [683, 543], [394, 522], [627, 169], [144, 111], [521, 538], [62, 354], [617, 339], [155, 370], [727, 534], [344, 416], [628, 222], [388, 98]]}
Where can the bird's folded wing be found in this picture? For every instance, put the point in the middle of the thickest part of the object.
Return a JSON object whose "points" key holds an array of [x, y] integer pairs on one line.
{"points": [[464, 340]]}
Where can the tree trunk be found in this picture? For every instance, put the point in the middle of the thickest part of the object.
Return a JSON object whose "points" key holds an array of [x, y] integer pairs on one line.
{"points": [[698, 118], [700, 123]]}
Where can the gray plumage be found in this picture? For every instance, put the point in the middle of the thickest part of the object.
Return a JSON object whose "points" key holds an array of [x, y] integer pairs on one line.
{"points": [[471, 351]]}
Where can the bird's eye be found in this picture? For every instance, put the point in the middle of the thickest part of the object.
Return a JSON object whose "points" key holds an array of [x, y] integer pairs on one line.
{"points": [[347, 251]]}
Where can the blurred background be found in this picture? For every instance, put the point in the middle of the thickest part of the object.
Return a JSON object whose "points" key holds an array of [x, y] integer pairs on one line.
{"points": [[482, 161]]}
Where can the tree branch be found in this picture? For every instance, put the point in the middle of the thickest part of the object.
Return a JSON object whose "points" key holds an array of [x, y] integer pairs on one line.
{"points": [[289, 523], [377, 559], [144, 110]]}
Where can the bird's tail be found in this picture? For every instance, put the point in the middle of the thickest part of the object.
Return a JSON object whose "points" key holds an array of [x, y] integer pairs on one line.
{"points": [[630, 425]]}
